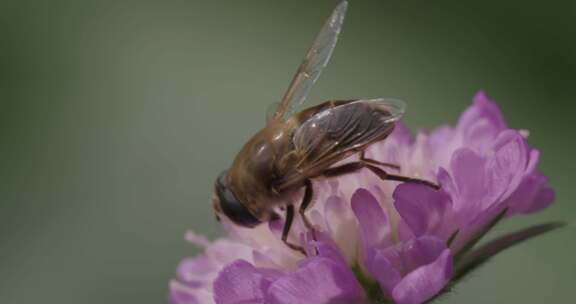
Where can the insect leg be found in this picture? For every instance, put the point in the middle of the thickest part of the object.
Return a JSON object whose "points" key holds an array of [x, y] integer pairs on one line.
{"points": [[385, 176], [355, 166], [286, 230], [344, 169], [407, 179], [375, 162], [308, 191]]}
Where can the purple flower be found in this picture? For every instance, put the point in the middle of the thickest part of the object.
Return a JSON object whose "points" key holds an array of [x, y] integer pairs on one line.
{"points": [[382, 241]]}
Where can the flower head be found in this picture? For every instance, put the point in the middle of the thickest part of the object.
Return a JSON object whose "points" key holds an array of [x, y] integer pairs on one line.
{"points": [[382, 240]]}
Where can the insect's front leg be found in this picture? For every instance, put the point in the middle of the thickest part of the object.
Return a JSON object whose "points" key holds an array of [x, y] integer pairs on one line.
{"points": [[306, 200], [286, 230]]}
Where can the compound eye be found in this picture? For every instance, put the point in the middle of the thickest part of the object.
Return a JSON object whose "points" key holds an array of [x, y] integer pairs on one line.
{"points": [[231, 206]]}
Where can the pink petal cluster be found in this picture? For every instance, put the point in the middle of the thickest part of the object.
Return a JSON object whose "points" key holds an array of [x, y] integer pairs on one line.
{"points": [[397, 239]]}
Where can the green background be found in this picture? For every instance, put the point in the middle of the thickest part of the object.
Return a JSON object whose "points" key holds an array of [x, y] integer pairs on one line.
{"points": [[115, 117]]}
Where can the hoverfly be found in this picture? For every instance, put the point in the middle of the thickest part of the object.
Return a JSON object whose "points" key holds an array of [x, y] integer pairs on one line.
{"points": [[293, 149]]}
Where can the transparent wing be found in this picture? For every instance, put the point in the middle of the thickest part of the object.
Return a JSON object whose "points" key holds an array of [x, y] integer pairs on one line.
{"points": [[339, 131], [335, 133], [346, 127], [315, 60]]}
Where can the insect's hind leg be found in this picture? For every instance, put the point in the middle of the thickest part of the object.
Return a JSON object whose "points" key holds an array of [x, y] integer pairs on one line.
{"points": [[286, 230], [355, 166], [401, 178], [375, 162]]}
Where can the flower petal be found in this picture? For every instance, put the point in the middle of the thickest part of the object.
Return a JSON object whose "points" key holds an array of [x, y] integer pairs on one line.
{"points": [[421, 251], [378, 265], [424, 282], [388, 265], [531, 195], [440, 136], [414, 253], [181, 294], [195, 269], [321, 280], [544, 198], [469, 178], [480, 135], [507, 167], [402, 134], [240, 282], [374, 229], [341, 225], [482, 109], [421, 207], [533, 160], [225, 251]]}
